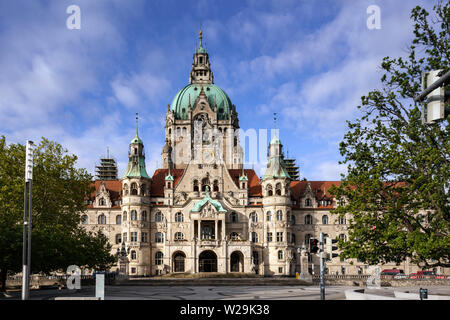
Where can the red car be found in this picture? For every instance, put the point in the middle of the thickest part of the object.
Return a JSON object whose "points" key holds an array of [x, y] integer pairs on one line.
{"points": [[422, 274]]}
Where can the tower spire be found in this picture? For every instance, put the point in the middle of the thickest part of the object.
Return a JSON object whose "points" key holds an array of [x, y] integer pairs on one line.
{"points": [[137, 119], [275, 121]]}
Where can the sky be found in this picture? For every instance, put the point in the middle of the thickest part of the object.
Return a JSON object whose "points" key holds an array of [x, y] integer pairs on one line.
{"points": [[308, 61]]}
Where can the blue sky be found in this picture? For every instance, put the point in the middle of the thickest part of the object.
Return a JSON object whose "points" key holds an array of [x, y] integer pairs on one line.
{"points": [[309, 61]]}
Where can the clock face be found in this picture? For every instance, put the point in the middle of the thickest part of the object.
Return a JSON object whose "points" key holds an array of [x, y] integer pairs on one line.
{"points": [[208, 156]]}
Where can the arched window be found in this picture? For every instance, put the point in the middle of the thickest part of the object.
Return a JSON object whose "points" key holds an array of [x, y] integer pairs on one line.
{"points": [[133, 255], [159, 217], [119, 219], [269, 190], [308, 219], [234, 236], [205, 183], [179, 236], [216, 186], [133, 215], [125, 189], [101, 202], [125, 216], [196, 185], [233, 217], [280, 255], [179, 217], [342, 220], [159, 258], [325, 219], [308, 202], [292, 219], [159, 237], [134, 189], [254, 237], [101, 219], [279, 215], [253, 217], [144, 215], [84, 219], [143, 190], [278, 189], [293, 238], [268, 216], [118, 238]]}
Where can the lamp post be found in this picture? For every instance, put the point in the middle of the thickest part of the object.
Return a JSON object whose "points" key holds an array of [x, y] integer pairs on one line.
{"points": [[26, 249]]}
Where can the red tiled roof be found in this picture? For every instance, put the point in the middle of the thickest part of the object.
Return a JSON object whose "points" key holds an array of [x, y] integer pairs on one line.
{"points": [[113, 186], [158, 180], [254, 187], [319, 188]]}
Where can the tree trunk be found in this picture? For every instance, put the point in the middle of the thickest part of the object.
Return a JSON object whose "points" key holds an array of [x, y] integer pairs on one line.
{"points": [[3, 274]]}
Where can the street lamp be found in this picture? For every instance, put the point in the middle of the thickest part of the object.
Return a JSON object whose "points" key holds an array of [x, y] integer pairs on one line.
{"points": [[26, 249]]}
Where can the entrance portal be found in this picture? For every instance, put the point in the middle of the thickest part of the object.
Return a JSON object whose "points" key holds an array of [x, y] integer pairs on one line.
{"points": [[237, 262], [207, 262], [178, 262]]}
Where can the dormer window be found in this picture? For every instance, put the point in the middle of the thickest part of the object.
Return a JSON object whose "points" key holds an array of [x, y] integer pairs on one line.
{"points": [[308, 202], [101, 202]]}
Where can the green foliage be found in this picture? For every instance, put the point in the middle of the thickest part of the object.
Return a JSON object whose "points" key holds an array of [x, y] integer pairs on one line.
{"points": [[59, 190], [396, 188]]}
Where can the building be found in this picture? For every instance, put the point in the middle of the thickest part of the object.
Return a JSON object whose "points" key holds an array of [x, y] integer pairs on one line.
{"points": [[202, 211]]}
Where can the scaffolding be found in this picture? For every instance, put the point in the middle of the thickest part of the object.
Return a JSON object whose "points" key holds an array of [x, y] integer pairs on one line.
{"points": [[107, 170], [291, 167]]}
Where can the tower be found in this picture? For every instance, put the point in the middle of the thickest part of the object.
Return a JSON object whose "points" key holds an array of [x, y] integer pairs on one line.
{"points": [[201, 122], [277, 210], [136, 208]]}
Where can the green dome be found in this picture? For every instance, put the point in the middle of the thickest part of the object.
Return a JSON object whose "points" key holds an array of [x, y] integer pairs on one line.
{"points": [[181, 101], [136, 139]]}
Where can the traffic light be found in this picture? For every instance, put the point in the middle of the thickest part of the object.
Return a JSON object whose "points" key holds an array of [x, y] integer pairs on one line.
{"points": [[330, 248], [314, 245]]}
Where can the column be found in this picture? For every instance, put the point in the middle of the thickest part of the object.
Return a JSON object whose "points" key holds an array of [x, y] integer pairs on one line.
{"points": [[216, 236], [198, 230], [223, 229]]}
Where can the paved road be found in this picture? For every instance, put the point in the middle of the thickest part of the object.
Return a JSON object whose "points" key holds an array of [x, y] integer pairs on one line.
{"points": [[214, 293]]}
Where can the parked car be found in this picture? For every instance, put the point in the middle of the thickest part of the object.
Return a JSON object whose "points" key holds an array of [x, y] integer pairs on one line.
{"points": [[391, 272], [421, 274], [401, 276], [440, 276]]}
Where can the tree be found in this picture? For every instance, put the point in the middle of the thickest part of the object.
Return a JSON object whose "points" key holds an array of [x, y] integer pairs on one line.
{"points": [[396, 188], [59, 191]]}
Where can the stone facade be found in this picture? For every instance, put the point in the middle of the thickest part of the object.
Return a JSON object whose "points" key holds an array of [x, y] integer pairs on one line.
{"points": [[202, 212]]}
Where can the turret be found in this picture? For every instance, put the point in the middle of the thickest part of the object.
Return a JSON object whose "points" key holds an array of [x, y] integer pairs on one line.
{"points": [[136, 207], [201, 70]]}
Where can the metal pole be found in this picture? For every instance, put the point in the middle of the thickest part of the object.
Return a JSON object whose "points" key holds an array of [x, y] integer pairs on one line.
{"points": [[24, 245], [29, 238], [439, 82], [322, 269]]}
